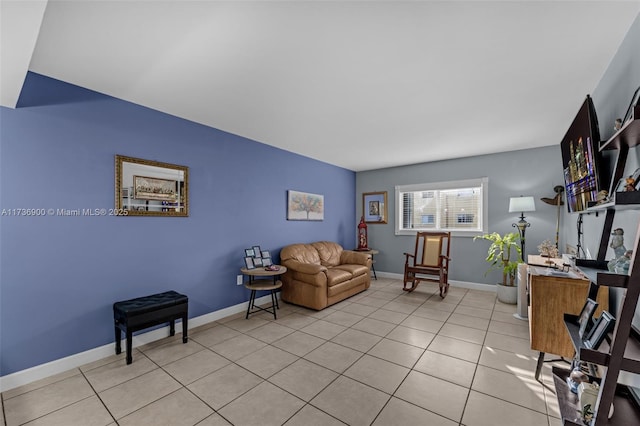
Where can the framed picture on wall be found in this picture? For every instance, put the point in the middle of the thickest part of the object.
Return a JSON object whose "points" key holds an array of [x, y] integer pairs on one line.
{"points": [[374, 207]]}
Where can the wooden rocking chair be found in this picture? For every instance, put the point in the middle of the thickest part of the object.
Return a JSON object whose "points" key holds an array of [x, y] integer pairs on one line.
{"points": [[430, 261]]}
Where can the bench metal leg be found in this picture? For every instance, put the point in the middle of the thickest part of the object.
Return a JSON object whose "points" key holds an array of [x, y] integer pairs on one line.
{"points": [[118, 338], [252, 299], [185, 337], [129, 345], [172, 328]]}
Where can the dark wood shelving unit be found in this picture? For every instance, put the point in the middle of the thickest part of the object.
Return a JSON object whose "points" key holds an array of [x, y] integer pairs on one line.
{"points": [[628, 135], [621, 351], [625, 410]]}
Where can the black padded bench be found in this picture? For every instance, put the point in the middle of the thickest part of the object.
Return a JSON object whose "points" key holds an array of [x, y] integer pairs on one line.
{"points": [[144, 312]]}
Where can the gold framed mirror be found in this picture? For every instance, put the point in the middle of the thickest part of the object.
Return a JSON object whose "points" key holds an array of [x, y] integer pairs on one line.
{"points": [[151, 188]]}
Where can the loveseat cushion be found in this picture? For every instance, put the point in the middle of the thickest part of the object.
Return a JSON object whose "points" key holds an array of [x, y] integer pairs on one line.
{"points": [[303, 253], [329, 252], [353, 269], [337, 276]]}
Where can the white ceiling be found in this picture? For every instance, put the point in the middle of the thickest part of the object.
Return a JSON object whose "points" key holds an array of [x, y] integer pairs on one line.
{"points": [[358, 84]]}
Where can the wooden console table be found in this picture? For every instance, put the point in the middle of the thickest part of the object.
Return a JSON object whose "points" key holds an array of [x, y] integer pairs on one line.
{"points": [[551, 295]]}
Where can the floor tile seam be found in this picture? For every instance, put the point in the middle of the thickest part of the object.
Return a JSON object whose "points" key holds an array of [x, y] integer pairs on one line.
{"points": [[97, 395], [204, 348], [201, 377], [467, 326], [524, 376], [511, 402], [157, 367], [411, 368], [4, 398], [317, 393], [59, 408], [117, 421], [323, 411], [340, 373], [522, 323], [433, 412], [207, 404], [375, 388], [475, 371]]}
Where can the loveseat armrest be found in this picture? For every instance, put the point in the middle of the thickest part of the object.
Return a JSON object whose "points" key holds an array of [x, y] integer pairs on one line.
{"points": [[305, 268], [355, 258]]}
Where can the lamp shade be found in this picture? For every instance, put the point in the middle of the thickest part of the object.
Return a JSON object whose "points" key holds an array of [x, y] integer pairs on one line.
{"points": [[521, 204]]}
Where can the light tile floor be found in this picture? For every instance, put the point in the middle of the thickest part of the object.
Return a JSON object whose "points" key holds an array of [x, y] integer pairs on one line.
{"points": [[382, 357]]}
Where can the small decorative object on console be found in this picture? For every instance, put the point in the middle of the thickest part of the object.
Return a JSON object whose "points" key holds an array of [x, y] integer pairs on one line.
{"points": [[548, 249], [362, 235]]}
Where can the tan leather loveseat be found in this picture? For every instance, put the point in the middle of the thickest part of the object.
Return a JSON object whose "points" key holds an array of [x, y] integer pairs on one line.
{"points": [[323, 273]]}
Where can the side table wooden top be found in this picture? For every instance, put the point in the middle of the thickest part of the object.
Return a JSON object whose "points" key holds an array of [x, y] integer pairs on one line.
{"points": [[261, 272]]}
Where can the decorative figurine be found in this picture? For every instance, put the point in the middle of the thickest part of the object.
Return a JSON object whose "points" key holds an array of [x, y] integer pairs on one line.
{"points": [[630, 184], [362, 235], [622, 263], [617, 242], [602, 197], [618, 124]]}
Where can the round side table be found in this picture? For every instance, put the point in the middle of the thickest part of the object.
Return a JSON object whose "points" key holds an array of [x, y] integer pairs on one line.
{"points": [[372, 252], [259, 280]]}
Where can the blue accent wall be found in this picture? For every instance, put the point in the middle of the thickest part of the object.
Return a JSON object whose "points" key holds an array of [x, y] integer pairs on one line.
{"points": [[59, 276]]}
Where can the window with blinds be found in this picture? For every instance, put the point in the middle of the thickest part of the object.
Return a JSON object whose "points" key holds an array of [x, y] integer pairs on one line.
{"points": [[456, 206]]}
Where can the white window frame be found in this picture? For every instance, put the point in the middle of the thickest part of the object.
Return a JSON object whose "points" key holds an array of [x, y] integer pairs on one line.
{"points": [[483, 183]]}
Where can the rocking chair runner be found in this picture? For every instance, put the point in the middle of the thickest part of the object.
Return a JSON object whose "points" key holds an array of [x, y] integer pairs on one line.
{"points": [[430, 261]]}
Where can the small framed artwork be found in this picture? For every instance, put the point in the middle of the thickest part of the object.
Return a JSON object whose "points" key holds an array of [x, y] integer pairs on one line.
{"points": [[248, 252], [257, 261], [584, 320], [248, 263], [304, 206], [599, 331], [256, 251], [266, 261], [374, 207], [266, 254]]}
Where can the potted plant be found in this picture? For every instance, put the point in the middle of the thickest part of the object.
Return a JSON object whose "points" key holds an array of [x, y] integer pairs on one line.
{"points": [[499, 258]]}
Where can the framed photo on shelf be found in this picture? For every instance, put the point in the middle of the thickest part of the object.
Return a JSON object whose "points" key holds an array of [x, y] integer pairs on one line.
{"points": [[266, 254], [584, 320], [248, 263], [248, 252], [266, 261], [256, 251], [599, 331], [257, 261]]}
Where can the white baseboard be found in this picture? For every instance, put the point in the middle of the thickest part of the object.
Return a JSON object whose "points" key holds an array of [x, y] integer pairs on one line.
{"points": [[454, 283], [61, 365]]}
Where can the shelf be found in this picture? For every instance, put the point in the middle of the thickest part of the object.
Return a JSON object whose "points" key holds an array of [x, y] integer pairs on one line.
{"points": [[625, 200], [597, 273], [628, 135], [630, 361], [625, 411], [584, 353]]}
